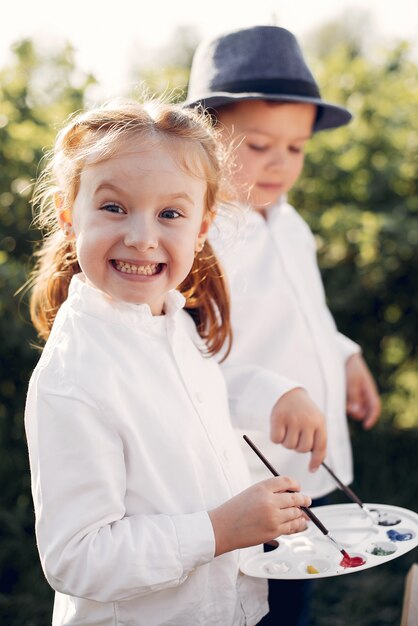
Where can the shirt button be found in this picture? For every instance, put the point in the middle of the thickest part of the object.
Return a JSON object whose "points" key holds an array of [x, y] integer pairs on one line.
{"points": [[225, 455], [199, 397]]}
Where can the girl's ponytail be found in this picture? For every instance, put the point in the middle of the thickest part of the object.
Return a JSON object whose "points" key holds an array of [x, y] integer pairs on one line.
{"points": [[56, 265], [207, 301]]}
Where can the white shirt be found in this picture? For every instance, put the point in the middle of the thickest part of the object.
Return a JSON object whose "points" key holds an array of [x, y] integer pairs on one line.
{"points": [[130, 445], [284, 337]]}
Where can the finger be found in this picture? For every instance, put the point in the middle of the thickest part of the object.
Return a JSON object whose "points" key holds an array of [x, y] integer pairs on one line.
{"points": [[355, 404], [278, 433], [306, 441], [281, 484], [293, 526], [293, 500], [292, 438], [289, 514], [319, 449], [304, 501], [373, 413], [355, 410], [290, 499], [302, 524]]}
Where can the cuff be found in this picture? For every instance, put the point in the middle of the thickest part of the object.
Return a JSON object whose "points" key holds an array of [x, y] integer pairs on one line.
{"points": [[196, 539], [347, 346]]}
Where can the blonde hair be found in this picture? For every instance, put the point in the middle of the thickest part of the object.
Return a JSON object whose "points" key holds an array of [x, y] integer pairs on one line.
{"points": [[95, 135]]}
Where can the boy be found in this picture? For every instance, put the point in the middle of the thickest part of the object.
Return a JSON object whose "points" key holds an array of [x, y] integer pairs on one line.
{"points": [[258, 87]]}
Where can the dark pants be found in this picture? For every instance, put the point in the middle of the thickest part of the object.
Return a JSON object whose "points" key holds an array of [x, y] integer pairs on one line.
{"points": [[290, 600]]}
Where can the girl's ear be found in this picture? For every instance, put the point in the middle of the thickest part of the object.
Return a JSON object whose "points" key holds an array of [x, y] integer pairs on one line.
{"points": [[204, 229], [64, 216]]}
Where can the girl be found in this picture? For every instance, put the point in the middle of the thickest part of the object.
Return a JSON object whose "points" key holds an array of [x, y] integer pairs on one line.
{"points": [[141, 494]]}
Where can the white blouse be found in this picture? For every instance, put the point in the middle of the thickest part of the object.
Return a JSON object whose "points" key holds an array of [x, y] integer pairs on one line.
{"points": [[130, 445], [284, 337]]}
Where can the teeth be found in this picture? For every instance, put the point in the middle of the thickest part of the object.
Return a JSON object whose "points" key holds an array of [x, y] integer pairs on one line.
{"points": [[129, 268]]}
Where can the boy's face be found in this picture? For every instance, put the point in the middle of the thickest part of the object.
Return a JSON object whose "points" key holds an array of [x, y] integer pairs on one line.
{"points": [[269, 140]]}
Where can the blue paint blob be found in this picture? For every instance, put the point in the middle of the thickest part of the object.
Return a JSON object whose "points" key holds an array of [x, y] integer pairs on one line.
{"points": [[394, 535]]}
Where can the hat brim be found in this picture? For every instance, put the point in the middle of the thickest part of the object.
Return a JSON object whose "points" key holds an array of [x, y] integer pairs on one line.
{"points": [[329, 115]]}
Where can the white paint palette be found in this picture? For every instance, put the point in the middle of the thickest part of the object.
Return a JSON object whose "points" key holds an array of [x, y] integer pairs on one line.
{"points": [[385, 534]]}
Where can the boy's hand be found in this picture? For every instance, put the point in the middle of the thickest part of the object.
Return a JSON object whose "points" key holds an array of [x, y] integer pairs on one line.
{"points": [[363, 401], [298, 424], [258, 515]]}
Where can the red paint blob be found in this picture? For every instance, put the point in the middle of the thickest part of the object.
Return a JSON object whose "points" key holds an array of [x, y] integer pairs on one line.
{"points": [[352, 561]]}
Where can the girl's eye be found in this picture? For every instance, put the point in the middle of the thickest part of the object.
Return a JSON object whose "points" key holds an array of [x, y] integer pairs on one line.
{"points": [[295, 149], [112, 208], [170, 214]]}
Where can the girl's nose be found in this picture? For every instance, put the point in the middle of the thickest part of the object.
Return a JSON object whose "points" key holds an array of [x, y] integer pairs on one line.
{"points": [[141, 234]]}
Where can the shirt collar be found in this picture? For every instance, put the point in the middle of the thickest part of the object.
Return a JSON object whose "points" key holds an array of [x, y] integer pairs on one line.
{"points": [[273, 209], [84, 297]]}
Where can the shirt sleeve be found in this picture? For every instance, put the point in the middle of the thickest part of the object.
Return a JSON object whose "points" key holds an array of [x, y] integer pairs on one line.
{"points": [[348, 347], [252, 393], [89, 545]]}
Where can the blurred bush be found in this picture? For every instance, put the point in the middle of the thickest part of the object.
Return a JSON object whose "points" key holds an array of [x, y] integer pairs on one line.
{"points": [[36, 94], [359, 194]]}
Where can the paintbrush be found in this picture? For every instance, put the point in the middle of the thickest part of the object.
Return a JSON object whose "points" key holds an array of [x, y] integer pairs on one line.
{"points": [[305, 509], [348, 492]]}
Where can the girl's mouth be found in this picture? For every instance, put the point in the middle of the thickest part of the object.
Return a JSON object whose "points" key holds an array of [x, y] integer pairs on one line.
{"points": [[132, 268]]}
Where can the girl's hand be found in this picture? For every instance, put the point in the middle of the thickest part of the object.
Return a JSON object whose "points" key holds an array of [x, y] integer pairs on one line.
{"points": [[298, 424], [259, 514], [363, 401]]}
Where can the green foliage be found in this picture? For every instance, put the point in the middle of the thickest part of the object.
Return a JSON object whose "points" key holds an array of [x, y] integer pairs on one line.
{"points": [[359, 194], [36, 95], [168, 75], [167, 83]]}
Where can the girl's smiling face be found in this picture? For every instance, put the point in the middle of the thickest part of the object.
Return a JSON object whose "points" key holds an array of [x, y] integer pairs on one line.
{"points": [[137, 220], [269, 139]]}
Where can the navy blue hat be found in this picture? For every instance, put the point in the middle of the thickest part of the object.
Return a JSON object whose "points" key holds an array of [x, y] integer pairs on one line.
{"points": [[257, 63]]}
